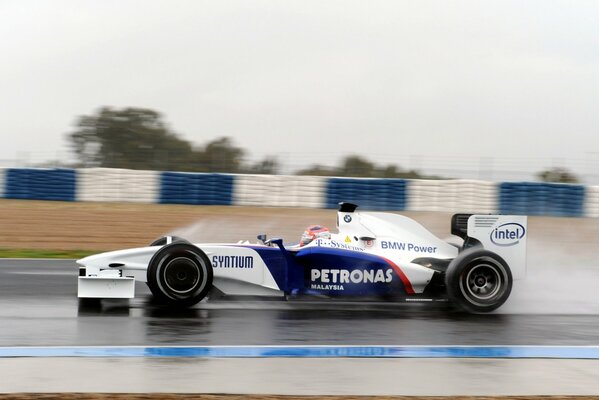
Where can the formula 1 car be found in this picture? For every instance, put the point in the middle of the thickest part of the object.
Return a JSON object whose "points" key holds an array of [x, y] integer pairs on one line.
{"points": [[373, 255]]}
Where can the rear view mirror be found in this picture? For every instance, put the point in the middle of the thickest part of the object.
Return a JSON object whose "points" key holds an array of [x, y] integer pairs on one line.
{"points": [[262, 237]]}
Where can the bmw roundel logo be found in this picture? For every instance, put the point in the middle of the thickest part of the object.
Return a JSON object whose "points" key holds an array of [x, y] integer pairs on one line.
{"points": [[347, 218]]}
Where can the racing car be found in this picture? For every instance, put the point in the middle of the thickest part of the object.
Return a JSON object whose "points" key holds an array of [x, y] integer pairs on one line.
{"points": [[373, 255]]}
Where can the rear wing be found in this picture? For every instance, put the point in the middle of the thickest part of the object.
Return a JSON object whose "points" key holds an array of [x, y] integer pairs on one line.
{"points": [[502, 234]]}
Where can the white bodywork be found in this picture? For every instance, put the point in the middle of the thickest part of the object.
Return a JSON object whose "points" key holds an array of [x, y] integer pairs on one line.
{"points": [[103, 281], [505, 235], [396, 238]]}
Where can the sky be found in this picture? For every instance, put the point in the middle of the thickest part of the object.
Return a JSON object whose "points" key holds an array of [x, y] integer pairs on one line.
{"points": [[468, 86]]}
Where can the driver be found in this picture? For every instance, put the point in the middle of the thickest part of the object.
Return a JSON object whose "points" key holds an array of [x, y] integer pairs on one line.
{"points": [[314, 232]]}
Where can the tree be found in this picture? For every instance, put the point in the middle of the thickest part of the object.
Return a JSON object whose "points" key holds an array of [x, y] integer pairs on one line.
{"points": [[318, 170], [268, 165], [219, 155], [558, 175], [137, 138], [359, 167], [133, 138]]}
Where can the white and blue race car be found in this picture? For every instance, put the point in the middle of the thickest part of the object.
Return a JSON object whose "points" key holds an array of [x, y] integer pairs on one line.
{"points": [[373, 255]]}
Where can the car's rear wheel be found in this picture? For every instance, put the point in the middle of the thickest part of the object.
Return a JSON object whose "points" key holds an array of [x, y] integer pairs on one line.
{"points": [[179, 274], [478, 280]]}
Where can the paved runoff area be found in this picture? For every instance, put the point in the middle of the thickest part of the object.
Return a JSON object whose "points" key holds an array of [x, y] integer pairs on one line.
{"points": [[49, 342], [303, 376]]}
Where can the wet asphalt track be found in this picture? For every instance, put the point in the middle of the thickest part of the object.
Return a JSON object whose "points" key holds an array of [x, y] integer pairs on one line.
{"points": [[39, 307]]}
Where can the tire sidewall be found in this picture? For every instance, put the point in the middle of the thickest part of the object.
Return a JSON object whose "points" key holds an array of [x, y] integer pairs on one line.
{"points": [[157, 280], [456, 280]]}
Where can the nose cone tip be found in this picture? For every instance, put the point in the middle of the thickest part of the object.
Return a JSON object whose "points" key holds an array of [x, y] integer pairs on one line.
{"points": [[83, 261]]}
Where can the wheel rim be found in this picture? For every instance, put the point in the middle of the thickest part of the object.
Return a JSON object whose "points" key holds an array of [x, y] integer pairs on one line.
{"points": [[181, 275], [484, 281]]}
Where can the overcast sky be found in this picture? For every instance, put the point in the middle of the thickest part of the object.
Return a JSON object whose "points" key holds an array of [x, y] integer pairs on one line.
{"points": [[409, 82]]}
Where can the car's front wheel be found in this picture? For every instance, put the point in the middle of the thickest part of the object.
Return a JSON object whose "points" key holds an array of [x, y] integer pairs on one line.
{"points": [[167, 240], [179, 274], [478, 280]]}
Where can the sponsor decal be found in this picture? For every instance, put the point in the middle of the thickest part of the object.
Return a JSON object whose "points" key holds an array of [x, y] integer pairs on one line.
{"points": [[404, 246], [326, 287], [347, 239], [508, 234], [347, 218], [232, 261], [334, 279], [337, 245]]}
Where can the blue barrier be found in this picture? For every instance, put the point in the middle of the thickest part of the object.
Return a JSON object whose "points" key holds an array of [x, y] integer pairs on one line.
{"points": [[370, 194], [528, 198], [524, 198], [196, 188], [40, 184]]}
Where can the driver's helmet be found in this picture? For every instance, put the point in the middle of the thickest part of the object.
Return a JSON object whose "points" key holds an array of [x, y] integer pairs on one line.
{"points": [[314, 232]]}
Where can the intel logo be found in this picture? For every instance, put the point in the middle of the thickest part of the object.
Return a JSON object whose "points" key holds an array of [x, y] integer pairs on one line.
{"points": [[507, 234]]}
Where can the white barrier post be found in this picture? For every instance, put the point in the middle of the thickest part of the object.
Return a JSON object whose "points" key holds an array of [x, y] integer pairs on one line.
{"points": [[279, 191], [452, 196], [118, 185]]}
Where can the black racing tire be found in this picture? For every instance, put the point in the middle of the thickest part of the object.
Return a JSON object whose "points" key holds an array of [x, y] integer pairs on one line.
{"points": [[179, 275], [478, 280], [167, 240]]}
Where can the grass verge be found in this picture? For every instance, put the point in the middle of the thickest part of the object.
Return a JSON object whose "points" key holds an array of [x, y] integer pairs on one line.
{"points": [[33, 253]]}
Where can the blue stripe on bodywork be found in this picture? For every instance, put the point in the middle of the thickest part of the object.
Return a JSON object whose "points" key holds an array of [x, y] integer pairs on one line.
{"points": [[326, 258], [287, 273], [292, 270], [560, 352], [277, 264]]}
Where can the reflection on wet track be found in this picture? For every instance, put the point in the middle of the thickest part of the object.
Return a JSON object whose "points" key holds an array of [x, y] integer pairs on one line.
{"points": [[39, 307]]}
